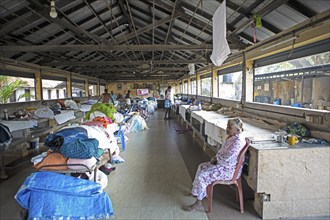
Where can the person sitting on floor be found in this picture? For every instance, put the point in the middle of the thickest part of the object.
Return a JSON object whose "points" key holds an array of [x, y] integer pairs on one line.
{"points": [[222, 166]]}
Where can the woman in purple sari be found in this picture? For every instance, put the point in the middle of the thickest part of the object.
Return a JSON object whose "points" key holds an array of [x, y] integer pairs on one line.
{"points": [[222, 166]]}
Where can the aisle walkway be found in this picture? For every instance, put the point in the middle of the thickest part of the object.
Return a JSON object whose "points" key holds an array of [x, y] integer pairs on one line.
{"points": [[158, 172], [151, 183]]}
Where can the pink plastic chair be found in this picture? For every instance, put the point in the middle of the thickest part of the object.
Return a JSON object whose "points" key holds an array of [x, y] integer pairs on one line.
{"points": [[235, 180]]}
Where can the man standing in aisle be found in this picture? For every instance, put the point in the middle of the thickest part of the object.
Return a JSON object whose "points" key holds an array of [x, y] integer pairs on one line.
{"points": [[168, 103], [105, 97]]}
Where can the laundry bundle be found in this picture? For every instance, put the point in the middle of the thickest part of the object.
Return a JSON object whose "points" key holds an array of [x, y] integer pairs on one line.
{"points": [[137, 123], [48, 195], [117, 159], [73, 143]]}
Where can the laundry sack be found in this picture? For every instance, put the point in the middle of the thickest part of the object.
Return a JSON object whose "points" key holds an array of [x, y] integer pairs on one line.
{"points": [[128, 101], [151, 109], [44, 113], [71, 104], [118, 117]]}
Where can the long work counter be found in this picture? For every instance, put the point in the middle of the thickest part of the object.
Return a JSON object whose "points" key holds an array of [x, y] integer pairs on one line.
{"points": [[288, 181]]}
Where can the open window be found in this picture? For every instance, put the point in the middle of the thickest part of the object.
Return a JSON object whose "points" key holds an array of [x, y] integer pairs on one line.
{"points": [[53, 87], [298, 78], [193, 86], [78, 87], [16, 86], [206, 87], [185, 87], [92, 88], [230, 83]]}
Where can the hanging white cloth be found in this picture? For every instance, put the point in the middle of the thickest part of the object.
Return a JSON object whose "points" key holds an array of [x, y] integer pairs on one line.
{"points": [[221, 48]]}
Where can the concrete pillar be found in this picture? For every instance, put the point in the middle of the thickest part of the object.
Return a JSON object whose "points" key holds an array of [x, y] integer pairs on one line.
{"points": [[98, 88], [214, 81], [38, 86], [189, 86], [249, 81], [68, 86], [86, 88], [198, 84]]}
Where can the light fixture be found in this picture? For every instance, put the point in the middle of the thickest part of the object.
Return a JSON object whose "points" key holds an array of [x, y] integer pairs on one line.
{"points": [[52, 12]]}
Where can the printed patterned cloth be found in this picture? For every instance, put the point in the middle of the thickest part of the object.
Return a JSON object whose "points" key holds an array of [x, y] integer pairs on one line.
{"points": [[69, 135], [168, 103], [81, 149], [224, 170]]}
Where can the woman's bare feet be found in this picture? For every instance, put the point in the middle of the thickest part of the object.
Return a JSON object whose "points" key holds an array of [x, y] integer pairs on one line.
{"points": [[197, 205]]}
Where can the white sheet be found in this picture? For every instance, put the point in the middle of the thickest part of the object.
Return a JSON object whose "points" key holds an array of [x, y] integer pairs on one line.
{"points": [[221, 48], [85, 108], [96, 114], [20, 125], [182, 110], [65, 116], [197, 117], [104, 142]]}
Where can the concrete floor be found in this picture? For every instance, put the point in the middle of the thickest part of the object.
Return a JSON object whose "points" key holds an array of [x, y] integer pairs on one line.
{"points": [[152, 183]]}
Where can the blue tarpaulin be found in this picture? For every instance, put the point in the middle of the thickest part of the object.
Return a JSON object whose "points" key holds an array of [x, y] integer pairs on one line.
{"points": [[48, 195]]}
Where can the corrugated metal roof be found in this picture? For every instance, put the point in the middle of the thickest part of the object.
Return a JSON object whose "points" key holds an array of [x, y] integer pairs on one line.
{"points": [[142, 23]]}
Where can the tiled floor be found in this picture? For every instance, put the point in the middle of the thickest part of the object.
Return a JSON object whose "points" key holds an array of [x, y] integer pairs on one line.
{"points": [[152, 183]]}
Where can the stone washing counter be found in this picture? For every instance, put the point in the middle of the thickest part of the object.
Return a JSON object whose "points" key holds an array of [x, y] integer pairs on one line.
{"points": [[288, 181]]}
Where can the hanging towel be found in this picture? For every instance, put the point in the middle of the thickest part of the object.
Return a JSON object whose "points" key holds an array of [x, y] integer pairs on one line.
{"points": [[221, 48], [49, 195]]}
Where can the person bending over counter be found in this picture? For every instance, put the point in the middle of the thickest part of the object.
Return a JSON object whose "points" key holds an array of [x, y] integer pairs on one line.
{"points": [[222, 166]]}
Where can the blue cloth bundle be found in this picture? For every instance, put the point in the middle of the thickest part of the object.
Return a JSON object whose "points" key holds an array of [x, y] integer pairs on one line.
{"points": [[65, 136], [49, 195], [81, 149]]}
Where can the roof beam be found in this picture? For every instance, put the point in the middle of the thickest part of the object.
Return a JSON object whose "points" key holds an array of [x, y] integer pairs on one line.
{"points": [[123, 10], [64, 23], [92, 48], [247, 14], [122, 39], [139, 78], [271, 6], [134, 69], [232, 38], [77, 31], [12, 25], [296, 5], [113, 63], [98, 17]]}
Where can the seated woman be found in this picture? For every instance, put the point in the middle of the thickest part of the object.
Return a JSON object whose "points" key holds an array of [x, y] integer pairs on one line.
{"points": [[222, 166]]}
